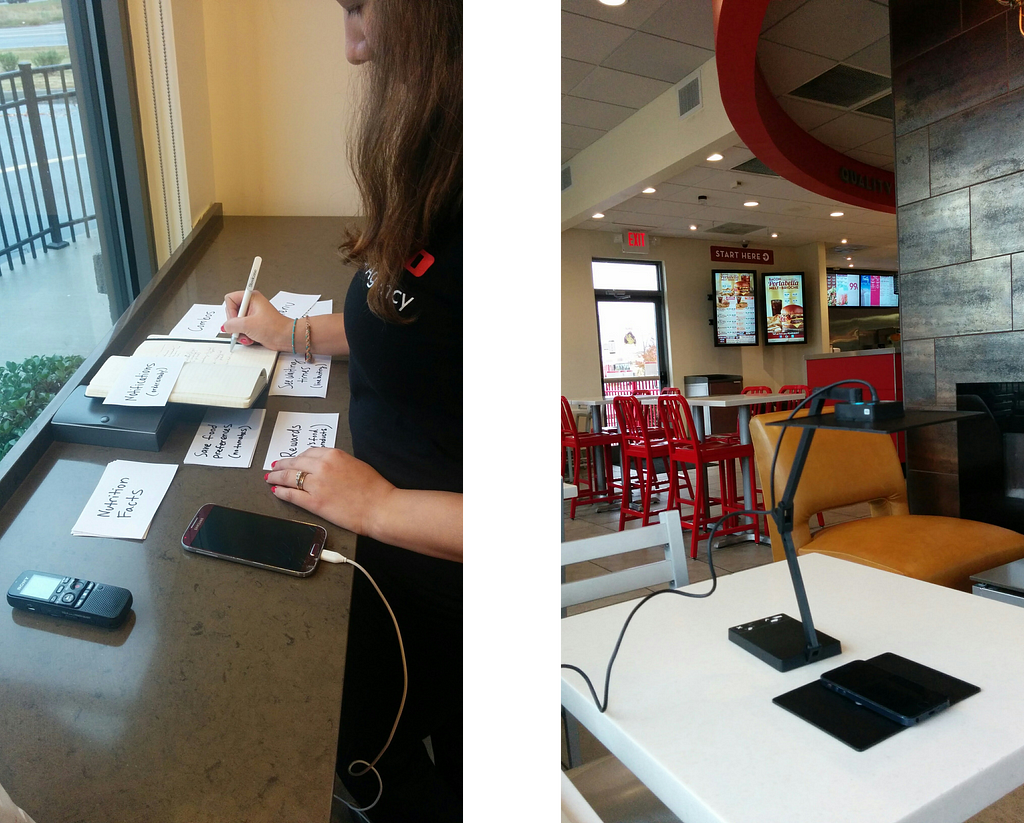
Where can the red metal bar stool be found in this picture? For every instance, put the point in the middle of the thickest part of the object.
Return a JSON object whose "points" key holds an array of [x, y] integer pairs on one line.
{"points": [[584, 447], [650, 413], [791, 388], [639, 450], [686, 450]]}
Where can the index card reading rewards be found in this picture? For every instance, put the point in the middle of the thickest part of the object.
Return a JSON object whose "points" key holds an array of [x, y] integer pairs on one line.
{"points": [[125, 500], [226, 437], [145, 381], [294, 432]]}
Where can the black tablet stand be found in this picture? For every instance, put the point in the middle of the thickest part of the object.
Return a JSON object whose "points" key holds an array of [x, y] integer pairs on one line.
{"points": [[779, 640]]}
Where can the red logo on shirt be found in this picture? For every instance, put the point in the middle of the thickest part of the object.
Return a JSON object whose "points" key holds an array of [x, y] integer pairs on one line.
{"points": [[419, 263]]}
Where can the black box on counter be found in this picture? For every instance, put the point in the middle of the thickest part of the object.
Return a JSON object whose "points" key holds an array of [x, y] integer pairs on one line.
{"points": [[87, 420]]}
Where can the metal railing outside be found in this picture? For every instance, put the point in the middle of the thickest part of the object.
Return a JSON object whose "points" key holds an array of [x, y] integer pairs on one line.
{"points": [[45, 191], [619, 386]]}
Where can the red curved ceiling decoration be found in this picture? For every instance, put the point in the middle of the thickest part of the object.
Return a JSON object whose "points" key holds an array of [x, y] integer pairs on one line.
{"points": [[770, 133]]}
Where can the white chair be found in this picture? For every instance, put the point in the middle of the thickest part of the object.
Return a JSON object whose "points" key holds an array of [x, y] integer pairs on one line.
{"points": [[672, 569], [608, 787]]}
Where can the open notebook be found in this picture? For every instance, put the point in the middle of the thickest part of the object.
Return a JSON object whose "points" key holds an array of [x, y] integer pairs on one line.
{"points": [[212, 374]]}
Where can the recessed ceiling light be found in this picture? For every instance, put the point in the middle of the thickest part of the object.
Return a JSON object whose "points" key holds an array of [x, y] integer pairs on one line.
{"points": [[650, 190], [836, 214], [844, 240], [598, 216], [775, 234], [851, 265], [614, 2], [714, 158], [849, 258], [693, 228], [750, 203]]}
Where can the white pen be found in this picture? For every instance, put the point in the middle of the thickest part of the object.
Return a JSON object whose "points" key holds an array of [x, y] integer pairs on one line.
{"points": [[249, 286]]}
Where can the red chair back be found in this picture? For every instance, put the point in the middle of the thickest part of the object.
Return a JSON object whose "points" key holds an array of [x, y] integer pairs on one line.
{"points": [[632, 423], [671, 390], [677, 419], [569, 430], [760, 408], [650, 413], [792, 388]]}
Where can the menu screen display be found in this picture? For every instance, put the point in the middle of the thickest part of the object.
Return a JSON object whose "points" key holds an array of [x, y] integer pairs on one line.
{"points": [[784, 308], [735, 308], [878, 290], [843, 289]]}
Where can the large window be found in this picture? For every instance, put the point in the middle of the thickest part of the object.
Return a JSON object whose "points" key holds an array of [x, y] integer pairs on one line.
{"points": [[630, 326], [75, 240]]}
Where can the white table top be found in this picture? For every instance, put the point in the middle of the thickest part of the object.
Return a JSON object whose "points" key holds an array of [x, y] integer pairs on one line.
{"points": [[729, 400], [690, 713], [716, 400]]}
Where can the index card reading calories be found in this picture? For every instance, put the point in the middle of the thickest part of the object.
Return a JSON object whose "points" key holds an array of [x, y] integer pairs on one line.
{"points": [[294, 432], [125, 500]]}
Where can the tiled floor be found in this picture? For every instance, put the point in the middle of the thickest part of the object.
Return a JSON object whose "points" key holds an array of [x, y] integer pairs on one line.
{"points": [[590, 522]]}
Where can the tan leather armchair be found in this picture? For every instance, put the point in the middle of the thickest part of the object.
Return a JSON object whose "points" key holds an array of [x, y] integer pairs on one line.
{"points": [[844, 468]]}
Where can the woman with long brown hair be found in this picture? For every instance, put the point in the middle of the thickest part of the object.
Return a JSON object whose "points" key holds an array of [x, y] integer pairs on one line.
{"points": [[401, 489]]}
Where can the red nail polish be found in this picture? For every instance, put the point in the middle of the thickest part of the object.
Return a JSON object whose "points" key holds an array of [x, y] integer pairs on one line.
{"points": [[222, 328], [273, 464], [273, 489], [266, 476]]}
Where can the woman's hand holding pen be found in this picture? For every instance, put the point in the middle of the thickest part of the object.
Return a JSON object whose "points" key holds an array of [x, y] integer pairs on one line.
{"points": [[262, 323]]}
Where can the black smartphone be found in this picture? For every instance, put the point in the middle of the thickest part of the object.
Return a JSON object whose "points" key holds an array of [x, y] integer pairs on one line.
{"points": [[73, 598], [288, 546], [891, 695]]}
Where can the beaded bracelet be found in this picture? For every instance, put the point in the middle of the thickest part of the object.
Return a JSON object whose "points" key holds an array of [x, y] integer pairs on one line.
{"points": [[309, 350], [296, 320]]}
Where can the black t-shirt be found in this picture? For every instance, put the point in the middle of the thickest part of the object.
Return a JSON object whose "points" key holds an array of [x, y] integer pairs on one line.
{"points": [[405, 380]]}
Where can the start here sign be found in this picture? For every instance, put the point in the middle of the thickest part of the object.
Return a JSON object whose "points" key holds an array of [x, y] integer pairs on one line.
{"points": [[728, 254]]}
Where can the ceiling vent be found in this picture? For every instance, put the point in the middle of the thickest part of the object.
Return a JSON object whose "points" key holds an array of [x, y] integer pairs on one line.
{"points": [[566, 177], [843, 86], [689, 95], [848, 248], [735, 228], [754, 166]]}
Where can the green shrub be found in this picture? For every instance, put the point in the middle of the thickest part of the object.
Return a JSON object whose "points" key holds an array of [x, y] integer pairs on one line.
{"points": [[8, 61], [25, 390], [49, 57]]}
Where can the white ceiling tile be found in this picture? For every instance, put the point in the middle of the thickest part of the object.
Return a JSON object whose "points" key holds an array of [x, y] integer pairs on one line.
{"points": [[840, 27], [657, 57], [785, 68], [691, 177], [688, 21], [573, 71], [806, 114], [631, 14], [882, 146], [568, 154], [875, 58], [851, 130], [593, 114], [777, 10], [579, 137], [620, 88], [588, 40]]}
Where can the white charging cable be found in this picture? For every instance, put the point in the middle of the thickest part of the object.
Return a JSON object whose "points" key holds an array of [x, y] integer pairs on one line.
{"points": [[329, 556]]}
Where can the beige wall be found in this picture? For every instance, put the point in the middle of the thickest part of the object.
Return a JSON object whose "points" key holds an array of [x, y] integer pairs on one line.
{"points": [[687, 266], [279, 92]]}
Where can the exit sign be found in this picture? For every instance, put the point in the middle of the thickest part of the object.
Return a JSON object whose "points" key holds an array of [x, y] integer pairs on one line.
{"points": [[635, 242]]}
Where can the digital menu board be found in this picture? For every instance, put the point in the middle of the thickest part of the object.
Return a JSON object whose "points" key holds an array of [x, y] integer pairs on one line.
{"points": [[735, 308], [784, 307], [843, 289], [878, 290]]}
